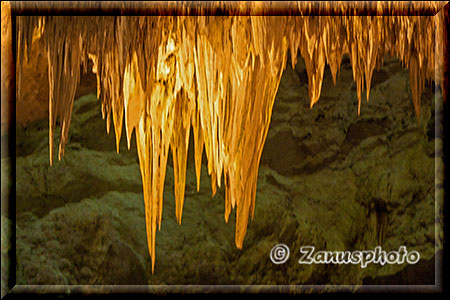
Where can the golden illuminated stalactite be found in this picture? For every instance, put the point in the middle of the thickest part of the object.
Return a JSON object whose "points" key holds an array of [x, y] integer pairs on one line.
{"points": [[312, 50], [179, 145], [7, 68], [63, 53], [160, 75], [254, 83]]}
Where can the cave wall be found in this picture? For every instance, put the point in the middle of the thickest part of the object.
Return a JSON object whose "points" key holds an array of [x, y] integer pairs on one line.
{"points": [[314, 153], [163, 83]]}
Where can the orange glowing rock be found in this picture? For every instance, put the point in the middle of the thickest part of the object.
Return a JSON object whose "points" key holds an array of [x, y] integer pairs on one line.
{"points": [[218, 74]]}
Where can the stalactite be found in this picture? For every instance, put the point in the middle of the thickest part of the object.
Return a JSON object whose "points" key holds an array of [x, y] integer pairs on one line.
{"points": [[160, 75]]}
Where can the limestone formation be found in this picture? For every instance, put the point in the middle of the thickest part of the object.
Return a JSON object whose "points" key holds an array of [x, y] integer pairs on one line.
{"points": [[160, 75]]}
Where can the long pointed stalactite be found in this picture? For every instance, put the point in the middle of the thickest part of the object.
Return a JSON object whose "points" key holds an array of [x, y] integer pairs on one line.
{"points": [[160, 75]]}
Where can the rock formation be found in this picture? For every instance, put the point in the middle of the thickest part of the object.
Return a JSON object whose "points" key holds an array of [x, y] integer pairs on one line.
{"points": [[160, 75]]}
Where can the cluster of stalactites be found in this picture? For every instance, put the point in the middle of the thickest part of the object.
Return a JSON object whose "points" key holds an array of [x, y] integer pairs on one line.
{"points": [[205, 76], [219, 75]]}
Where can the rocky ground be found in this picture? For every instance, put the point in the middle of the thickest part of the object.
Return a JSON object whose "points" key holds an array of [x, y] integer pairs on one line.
{"points": [[328, 178]]}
